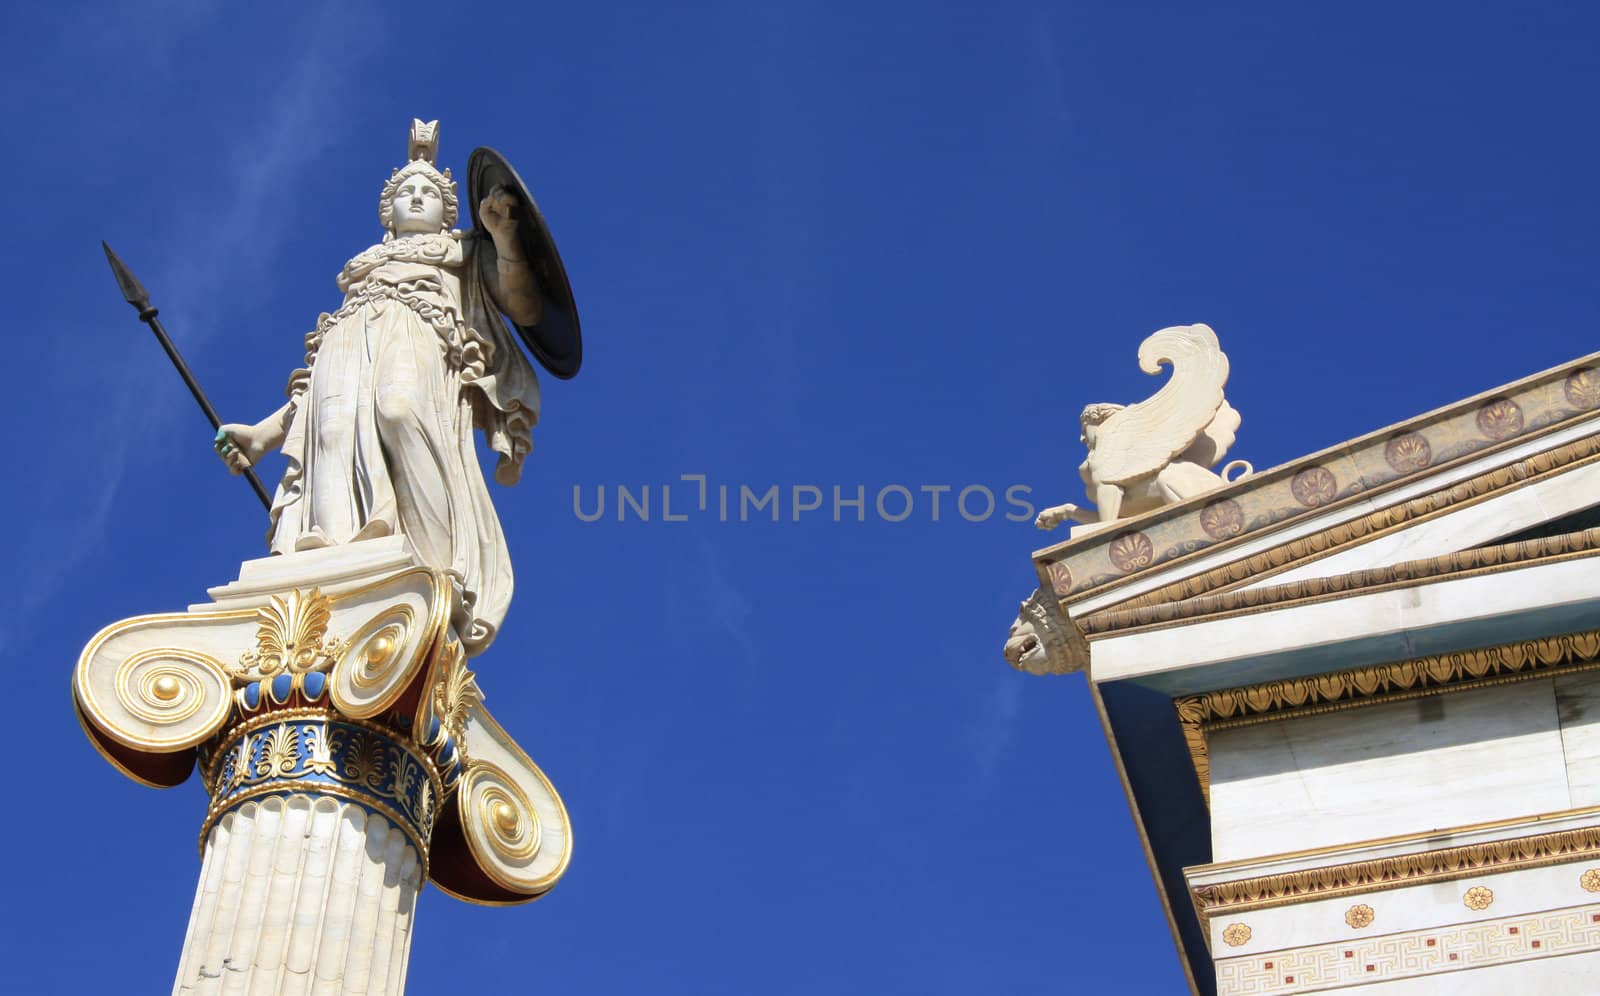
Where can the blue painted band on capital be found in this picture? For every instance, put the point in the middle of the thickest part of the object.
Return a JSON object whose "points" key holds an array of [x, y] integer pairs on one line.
{"points": [[357, 762]]}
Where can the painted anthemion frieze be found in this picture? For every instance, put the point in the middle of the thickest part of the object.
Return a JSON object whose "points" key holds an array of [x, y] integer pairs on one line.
{"points": [[324, 696], [1377, 665]]}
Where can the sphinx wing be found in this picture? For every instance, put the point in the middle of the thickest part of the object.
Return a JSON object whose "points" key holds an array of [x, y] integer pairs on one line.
{"points": [[1141, 439]]}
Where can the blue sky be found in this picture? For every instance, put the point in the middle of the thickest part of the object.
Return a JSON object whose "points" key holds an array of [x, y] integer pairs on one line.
{"points": [[812, 244]]}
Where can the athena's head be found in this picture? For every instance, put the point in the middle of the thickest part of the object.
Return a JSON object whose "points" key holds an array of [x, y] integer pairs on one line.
{"points": [[418, 199]]}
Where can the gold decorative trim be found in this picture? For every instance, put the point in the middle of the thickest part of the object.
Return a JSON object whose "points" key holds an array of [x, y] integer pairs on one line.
{"points": [[273, 717], [1589, 881], [1464, 563], [1363, 528], [1478, 898], [240, 734], [1436, 674], [1398, 871], [372, 673], [453, 694], [1359, 916], [529, 888], [1236, 934], [278, 625]]}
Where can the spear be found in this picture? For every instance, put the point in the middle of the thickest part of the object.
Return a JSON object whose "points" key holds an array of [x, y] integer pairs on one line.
{"points": [[137, 296]]}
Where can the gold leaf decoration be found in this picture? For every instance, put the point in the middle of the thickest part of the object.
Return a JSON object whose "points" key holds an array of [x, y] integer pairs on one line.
{"points": [[1398, 871], [280, 754], [319, 753], [455, 692], [291, 635]]}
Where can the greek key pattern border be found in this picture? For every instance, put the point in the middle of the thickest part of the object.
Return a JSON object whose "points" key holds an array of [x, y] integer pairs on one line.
{"points": [[1435, 950]]}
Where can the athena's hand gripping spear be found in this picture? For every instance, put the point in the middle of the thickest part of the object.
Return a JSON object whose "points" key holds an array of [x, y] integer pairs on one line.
{"points": [[137, 296]]}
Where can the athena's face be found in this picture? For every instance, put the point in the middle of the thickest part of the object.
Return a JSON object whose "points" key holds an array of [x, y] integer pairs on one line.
{"points": [[417, 207]]}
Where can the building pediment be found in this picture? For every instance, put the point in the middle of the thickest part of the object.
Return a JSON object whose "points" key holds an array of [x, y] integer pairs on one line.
{"points": [[1488, 483]]}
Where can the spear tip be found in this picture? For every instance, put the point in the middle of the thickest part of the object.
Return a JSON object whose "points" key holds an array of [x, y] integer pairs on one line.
{"points": [[132, 290]]}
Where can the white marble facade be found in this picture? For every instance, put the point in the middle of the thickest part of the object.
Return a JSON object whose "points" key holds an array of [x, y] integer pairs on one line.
{"points": [[1384, 659], [1288, 796]]}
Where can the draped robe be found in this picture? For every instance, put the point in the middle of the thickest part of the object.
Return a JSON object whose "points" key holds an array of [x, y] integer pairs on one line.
{"points": [[380, 432]]}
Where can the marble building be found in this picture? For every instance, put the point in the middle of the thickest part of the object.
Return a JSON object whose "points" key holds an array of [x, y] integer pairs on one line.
{"points": [[1355, 699]]}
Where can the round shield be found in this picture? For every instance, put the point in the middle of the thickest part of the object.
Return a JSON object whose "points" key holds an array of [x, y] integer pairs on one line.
{"points": [[556, 342]]}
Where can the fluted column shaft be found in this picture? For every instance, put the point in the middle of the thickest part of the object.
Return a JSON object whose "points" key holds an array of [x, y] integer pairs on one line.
{"points": [[301, 894]]}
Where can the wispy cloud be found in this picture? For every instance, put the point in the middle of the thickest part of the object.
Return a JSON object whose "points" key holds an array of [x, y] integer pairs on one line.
{"points": [[726, 605], [297, 121], [293, 128], [995, 728], [1048, 51]]}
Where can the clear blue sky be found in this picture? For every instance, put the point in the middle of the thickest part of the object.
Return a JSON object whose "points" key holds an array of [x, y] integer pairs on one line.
{"points": [[852, 243]]}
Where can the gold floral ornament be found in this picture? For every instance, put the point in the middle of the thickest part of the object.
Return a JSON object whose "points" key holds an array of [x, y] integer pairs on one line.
{"points": [[291, 635], [280, 753], [1359, 915], [1590, 880], [455, 692], [1236, 934], [1478, 898]]}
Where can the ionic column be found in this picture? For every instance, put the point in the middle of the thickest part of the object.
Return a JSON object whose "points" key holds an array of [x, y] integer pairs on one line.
{"points": [[348, 758], [315, 847]]}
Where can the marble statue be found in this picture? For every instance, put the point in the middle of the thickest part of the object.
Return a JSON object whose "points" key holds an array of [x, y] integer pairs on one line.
{"points": [[324, 696], [1159, 451], [379, 426]]}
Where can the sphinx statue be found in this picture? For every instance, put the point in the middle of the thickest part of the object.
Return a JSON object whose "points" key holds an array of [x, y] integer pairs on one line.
{"points": [[1161, 450]]}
